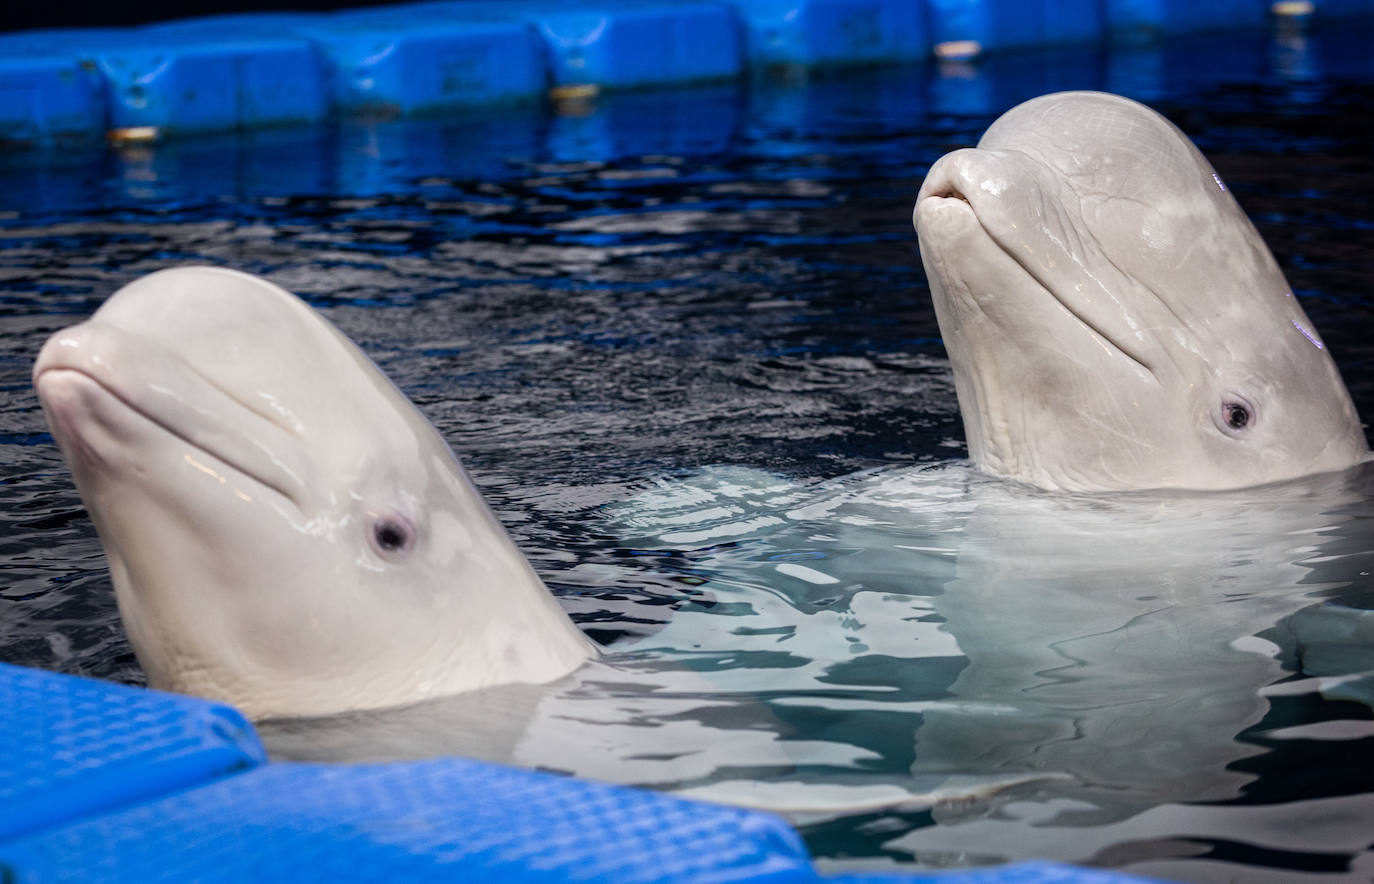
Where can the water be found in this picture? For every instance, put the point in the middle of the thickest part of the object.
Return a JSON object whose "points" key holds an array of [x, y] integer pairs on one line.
{"points": [[631, 317]]}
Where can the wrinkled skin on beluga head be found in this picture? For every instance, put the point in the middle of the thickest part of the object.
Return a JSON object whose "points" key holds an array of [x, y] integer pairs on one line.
{"points": [[1113, 318]]}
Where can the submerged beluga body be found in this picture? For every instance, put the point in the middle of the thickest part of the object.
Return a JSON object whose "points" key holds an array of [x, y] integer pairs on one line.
{"points": [[1113, 318]]}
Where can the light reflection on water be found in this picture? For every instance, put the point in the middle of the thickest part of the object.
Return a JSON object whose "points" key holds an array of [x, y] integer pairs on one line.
{"points": [[920, 645], [599, 310]]}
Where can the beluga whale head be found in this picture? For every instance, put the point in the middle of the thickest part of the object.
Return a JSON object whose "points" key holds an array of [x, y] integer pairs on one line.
{"points": [[1113, 319], [285, 531]]}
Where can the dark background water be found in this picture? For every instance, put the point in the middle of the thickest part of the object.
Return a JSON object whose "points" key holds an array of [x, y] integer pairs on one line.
{"points": [[588, 297]]}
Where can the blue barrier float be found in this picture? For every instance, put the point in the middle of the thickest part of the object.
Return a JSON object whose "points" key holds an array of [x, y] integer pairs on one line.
{"points": [[47, 101], [449, 819], [381, 62], [626, 44], [269, 69], [101, 782], [73, 747], [1181, 16], [968, 27], [184, 77], [381, 68], [833, 32]]}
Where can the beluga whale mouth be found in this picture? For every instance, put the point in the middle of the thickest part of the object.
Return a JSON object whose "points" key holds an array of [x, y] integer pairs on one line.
{"points": [[285, 531], [90, 403], [1113, 319], [1045, 264]]}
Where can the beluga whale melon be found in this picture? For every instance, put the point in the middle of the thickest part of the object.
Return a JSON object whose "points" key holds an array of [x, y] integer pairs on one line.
{"points": [[1113, 318]]}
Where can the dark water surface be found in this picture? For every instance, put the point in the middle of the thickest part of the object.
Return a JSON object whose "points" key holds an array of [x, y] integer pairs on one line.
{"points": [[600, 300]]}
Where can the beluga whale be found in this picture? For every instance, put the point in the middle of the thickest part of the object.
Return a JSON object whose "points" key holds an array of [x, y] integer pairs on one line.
{"points": [[1114, 320], [285, 531]]}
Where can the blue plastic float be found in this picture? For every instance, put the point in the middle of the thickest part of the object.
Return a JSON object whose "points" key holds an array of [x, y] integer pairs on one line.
{"points": [[1189, 15], [974, 26], [253, 70], [101, 782]]}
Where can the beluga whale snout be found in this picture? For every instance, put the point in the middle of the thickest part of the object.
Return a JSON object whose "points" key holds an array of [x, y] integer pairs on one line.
{"points": [[1113, 319], [285, 531]]}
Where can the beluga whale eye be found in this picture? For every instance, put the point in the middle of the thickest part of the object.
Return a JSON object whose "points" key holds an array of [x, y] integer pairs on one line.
{"points": [[391, 535], [1236, 416]]}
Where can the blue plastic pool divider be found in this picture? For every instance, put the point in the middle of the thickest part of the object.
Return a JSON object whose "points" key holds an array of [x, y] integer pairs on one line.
{"points": [[72, 747], [180, 79], [266, 69], [101, 782], [810, 33], [1002, 24], [451, 819], [1163, 15], [47, 99]]}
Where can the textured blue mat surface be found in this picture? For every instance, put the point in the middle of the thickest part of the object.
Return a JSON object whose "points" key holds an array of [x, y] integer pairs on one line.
{"points": [[101, 782], [71, 747], [453, 819]]}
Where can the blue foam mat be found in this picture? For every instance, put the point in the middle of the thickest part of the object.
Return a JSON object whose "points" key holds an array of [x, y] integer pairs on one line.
{"points": [[449, 819], [71, 747], [102, 782]]}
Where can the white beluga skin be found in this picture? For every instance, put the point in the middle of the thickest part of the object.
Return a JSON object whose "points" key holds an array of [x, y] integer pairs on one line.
{"points": [[285, 531], [1113, 318]]}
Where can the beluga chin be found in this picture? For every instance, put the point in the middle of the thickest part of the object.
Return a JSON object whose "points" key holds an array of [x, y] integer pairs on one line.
{"points": [[1113, 318]]}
